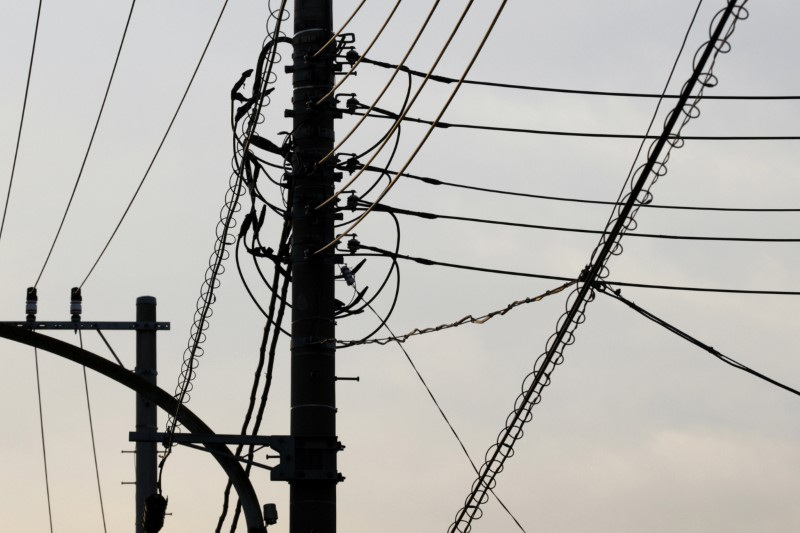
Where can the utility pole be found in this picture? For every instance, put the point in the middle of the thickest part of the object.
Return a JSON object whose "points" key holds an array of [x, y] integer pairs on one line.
{"points": [[146, 409], [313, 378]]}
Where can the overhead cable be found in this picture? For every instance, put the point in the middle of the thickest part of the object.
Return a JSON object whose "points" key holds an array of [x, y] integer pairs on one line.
{"points": [[655, 166], [458, 266], [341, 29], [353, 68], [469, 319], [437, 182], [617, 295], [160, 144], [89, 146], [558, 133], [388, 84], [91, 435], [44, 444], [434, 216], [445, 79], [428, 133], [21, 118], [442, 413]]}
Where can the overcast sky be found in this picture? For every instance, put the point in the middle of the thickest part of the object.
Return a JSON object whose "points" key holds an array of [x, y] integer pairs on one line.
{"points": [[639, 430]]}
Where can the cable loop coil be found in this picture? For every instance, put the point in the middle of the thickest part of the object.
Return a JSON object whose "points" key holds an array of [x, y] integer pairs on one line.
{"points": [[540, 377]]}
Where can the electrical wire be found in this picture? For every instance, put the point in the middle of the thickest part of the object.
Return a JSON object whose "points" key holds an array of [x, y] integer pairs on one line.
{"points": [[388, 84], [616, 294], [341, 29], [355, 65], [469, 319], [655, 167], [44, 445], [445, 79], [89, 146], [427, 135], [557, 133], [435, 216], [21, 119], [431, 262], [438, 182], [441, 412], [160, 144], [91, 434]]}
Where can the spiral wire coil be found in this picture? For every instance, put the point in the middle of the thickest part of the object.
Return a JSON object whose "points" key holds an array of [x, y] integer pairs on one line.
{"points": [[544, 366]]}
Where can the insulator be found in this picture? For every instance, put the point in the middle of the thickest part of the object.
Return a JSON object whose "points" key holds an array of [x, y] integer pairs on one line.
{"points": [[31, 304], [155, 509], [352, 103], [349, 278], [75, 304], [352, 201], [353, 244], [352, 56]]}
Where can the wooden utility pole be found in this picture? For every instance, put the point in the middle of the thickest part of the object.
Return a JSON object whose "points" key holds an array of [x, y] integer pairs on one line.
{"points": [[313, 396]]}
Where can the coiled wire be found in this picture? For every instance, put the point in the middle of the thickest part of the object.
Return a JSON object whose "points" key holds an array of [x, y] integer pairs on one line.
{"points": [[243, 132], [540, 377]]}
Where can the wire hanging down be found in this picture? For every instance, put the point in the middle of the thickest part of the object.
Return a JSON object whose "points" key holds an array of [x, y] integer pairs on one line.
{"points": [[617, 295], [619, 223]]}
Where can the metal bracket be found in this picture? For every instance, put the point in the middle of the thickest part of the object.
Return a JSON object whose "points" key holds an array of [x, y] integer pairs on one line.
{"points": [[76, 325]]}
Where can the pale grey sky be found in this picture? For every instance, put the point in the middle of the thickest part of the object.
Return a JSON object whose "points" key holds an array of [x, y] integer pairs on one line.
{"points": [[639, 431]]}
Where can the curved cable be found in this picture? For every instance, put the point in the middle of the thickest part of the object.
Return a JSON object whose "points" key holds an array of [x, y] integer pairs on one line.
{"points": [[21, 118], [160, 144], [341, 29], [358, 61], [89, 147], [447, 80], [411, 47], [427, 135], [91, 434]]}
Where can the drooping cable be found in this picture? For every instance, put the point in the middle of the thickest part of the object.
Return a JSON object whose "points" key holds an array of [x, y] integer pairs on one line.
{"points": [[682, 334], [355, 65], [44, 444], [91, 434], [441, 411], [439, 182], [559, 133], [341, 29], [207, 296], [388, 84], [666, 236], [379, 252], [160, 144], [564, 336], [469, 319], [89, 146], [445, 79], [428, 133], [21, 118]]}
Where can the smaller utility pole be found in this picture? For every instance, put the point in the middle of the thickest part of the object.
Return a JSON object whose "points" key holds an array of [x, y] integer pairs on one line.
{"points": [[146, 410]]}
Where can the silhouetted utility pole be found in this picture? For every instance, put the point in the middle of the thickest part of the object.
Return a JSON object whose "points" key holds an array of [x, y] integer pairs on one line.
{"points": [[313, 396], [146, 409]]}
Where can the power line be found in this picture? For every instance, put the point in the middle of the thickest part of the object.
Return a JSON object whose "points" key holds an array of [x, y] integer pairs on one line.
{"points": [[469, 319], [439, 182], [434, 216], [160, 144], [89, 147], [441, 412], [428, 133], [21, 118], [430, 262], [558, 133], [44, 445], [91, 434], [447, 80], [682, 334]]}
